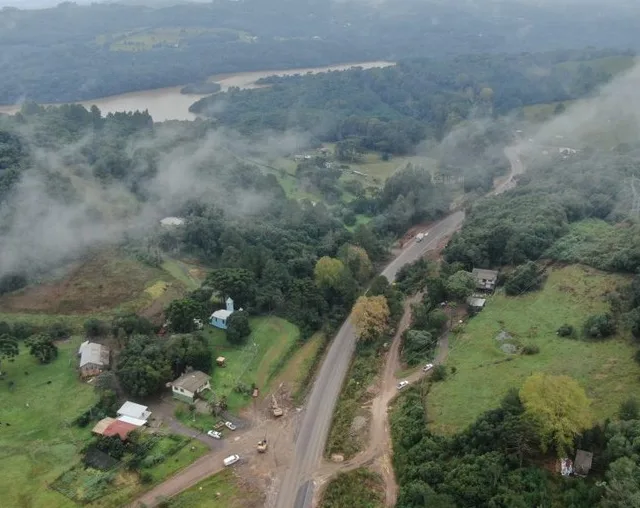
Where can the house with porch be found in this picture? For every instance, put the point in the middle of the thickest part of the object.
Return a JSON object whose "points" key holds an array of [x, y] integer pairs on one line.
{"points": [[219, 318], [189, 384], [485, 279]]}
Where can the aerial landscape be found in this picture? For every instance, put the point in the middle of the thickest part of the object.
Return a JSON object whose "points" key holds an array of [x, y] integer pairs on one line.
{"points": [[322, 254]]}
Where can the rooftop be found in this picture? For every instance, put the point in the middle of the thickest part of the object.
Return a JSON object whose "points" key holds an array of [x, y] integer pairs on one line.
{"points": [[479, 273], [134, 410], [102, 425], [191, 381], [119, 428], [221, 314], [172, 221], [91, 352], [582, 464]]}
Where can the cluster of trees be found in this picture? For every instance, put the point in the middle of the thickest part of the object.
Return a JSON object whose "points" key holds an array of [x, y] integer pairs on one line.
{"points": [[145, 364], [495, 462], [72, 57], [390, 110], [39, 340], [559, 209]]}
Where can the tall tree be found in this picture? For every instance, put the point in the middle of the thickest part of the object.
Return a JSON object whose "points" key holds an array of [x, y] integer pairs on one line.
{"points": [[143, 367], [8, 346], [188, 351], [559, 408], [328, 272], [371, 317], [238, 328], [460, 285], [42, 347], [183, 313], [357, 260]]}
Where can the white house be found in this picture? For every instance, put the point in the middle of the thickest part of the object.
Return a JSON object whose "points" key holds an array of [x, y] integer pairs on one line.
{"points": [[219, 317], [189, 384], [94, 358], [133, 413]]}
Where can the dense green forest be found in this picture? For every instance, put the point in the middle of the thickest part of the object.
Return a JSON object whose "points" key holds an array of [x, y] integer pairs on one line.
{"points": [[564, 208], [495, 462], [394, 108], [72, 52]]}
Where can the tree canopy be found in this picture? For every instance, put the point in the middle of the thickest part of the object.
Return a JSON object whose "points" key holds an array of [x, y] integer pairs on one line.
{"points": [[371, 317], [559, 408]]}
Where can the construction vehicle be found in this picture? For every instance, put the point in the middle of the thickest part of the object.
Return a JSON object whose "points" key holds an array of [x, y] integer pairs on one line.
{"points": [[262, 445], [277, 411]]}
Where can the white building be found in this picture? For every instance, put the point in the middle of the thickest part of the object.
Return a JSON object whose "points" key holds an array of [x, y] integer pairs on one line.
{"points": [[189, 384], [219, 317], [172, 221], [135, 414]]}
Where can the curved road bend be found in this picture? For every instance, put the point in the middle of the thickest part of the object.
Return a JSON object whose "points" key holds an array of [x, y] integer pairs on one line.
{"points": [[296, 490]]}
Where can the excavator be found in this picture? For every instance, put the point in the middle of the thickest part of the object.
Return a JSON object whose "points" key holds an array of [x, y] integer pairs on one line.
{"points": [[277, 411], [262, 445]]}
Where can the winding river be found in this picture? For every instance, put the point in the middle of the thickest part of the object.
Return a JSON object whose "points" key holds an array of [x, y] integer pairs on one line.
{"points": [[169, 104]]}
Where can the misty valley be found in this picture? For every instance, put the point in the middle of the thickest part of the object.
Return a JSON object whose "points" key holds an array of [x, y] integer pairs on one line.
{"points": [[407, 282]]}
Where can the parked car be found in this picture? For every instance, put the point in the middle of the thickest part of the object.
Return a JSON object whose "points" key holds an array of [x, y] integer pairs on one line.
{"points": [[230, 426], [402, 384], [214, 434], [231, 459], [427, 367]]}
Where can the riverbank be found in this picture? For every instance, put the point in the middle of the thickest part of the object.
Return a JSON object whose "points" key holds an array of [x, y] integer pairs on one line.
{"points": [[169, 104]]}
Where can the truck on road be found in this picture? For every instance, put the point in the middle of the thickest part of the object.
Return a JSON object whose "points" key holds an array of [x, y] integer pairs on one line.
{"points": [[421, 236], [231, 459]]}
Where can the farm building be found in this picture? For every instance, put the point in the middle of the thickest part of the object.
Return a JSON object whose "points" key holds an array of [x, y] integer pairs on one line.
{"points": [[485, 279], [189, 384], [133, 413], [112, 427], [219, 317], [94, 358]]}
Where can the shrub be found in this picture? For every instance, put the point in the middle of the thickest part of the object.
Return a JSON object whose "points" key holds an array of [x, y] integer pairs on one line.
{"points": [[95, 328], [530, 349], [59, 331], [629, 409], [637, 356], [566, 330], [238, 328], [439, 373], [146, 477], [599, 326], [524, 278]]}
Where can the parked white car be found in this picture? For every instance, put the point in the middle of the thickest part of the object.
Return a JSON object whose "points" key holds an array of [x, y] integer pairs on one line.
{"points": [[214, 434], [402, 384], [230, 426], [427, 367], [231, 459]]}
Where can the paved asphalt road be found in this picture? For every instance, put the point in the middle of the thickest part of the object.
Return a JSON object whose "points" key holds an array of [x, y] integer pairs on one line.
{"points": [[296, 489]]}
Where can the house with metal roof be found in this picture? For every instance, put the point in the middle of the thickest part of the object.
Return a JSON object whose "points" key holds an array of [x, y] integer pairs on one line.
{"points": [[133, 413], [189, 384], [94, 358]]}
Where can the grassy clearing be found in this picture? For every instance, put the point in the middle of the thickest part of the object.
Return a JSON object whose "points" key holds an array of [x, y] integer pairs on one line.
{"points": [[484, 373], [379, 170], [40, 443], [364, 368], [539, 113], [359, 488], [302, 366], [104, 283], [258, 361], [191, 277], [222, 490], [145, 40]]}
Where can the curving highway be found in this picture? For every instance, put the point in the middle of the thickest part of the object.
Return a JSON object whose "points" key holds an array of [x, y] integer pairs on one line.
{"points": [[296, 490]]}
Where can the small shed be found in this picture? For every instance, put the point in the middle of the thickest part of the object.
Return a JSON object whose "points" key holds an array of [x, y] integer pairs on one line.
{"points": [[582, 464], [476, 303], [221, 361]]}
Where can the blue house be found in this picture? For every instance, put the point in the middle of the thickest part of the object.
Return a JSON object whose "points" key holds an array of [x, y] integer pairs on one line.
{"points": [[219, 317]]}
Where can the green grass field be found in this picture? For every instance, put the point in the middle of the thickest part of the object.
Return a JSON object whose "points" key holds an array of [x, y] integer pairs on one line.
{"points": [[146, 39], [258, 361], [222, 490], [484, 373], [610, 64], [40, 442]]}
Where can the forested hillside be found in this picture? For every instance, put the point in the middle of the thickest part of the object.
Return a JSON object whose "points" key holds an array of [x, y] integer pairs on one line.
{"points": [[392, 109], [72, 52]]}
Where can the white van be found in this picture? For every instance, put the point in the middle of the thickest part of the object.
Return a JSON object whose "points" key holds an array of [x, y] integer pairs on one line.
{"points": [[231, 459]]}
